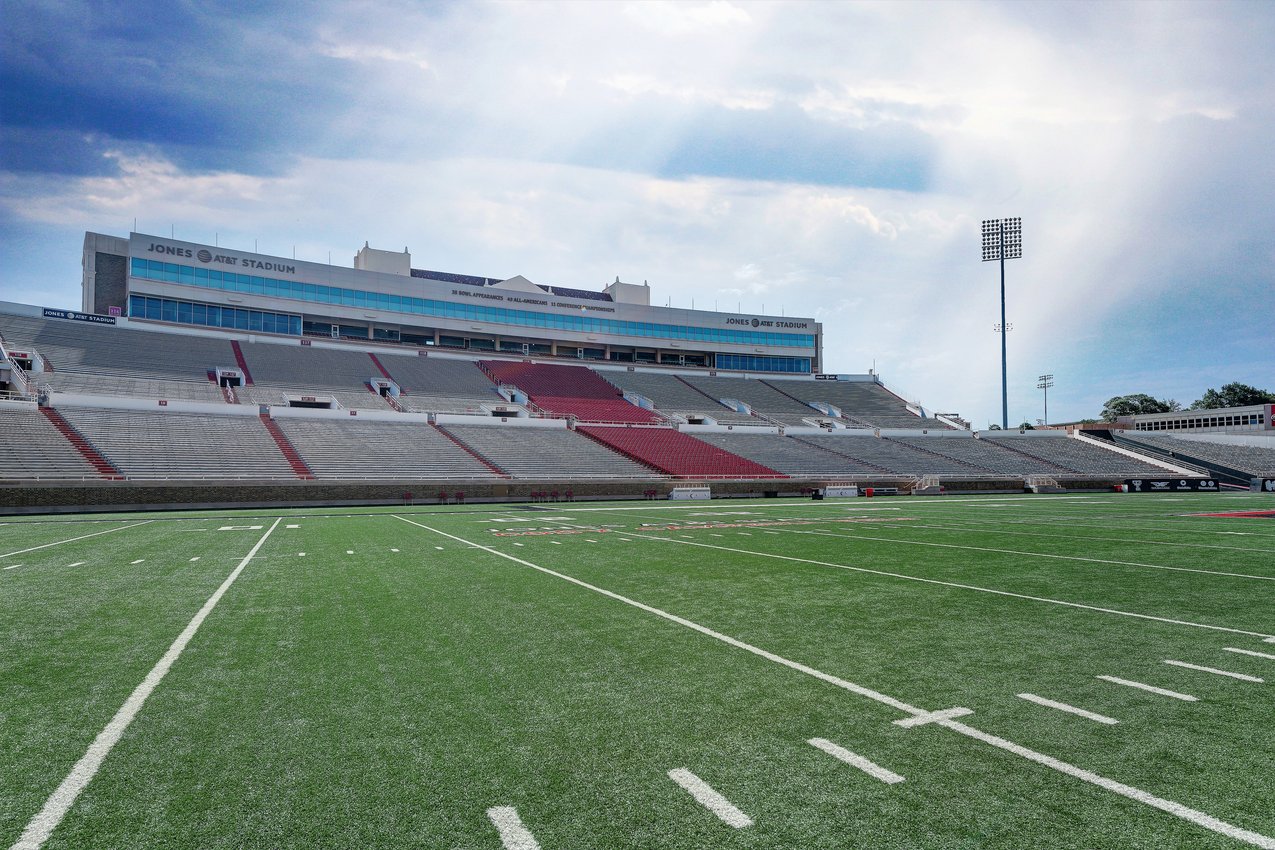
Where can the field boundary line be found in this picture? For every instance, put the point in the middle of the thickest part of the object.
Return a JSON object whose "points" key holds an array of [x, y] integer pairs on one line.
{"points": [[73, 539], [1029, 554], [1177, 809], [1063, 602], [64, 796]]}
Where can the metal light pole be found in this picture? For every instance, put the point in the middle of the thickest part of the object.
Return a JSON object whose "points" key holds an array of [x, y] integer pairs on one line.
{"points": [[1003, 240], [1044, 382]]}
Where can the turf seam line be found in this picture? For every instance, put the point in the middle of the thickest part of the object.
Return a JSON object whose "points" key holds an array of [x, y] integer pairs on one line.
{"points": [[710, 798], [73, 539], [513, 834], [1177, 809], [876, 771], [64, 796], [1269, 639], [1070, 709]]}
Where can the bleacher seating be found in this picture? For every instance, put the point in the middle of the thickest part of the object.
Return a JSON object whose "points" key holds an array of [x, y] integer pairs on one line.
{"points": [[787, 455], [145, 444], [862, 402], [280, 370], [110, 360], [989, 455], [764, 399], [31, 448], [366, 449], [1254, 461], [678, 454], [546, 452], [890, 456], [440, 385], [671, 395], [1079, 457], [568, 391]]}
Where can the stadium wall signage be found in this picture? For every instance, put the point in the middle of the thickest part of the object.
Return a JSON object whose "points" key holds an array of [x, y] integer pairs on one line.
{"points": [[51, 313], [1171, 485], [205, 256]]}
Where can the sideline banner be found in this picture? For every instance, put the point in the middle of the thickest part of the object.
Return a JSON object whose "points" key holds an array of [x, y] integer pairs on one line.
{"points": [[1171, 485]]}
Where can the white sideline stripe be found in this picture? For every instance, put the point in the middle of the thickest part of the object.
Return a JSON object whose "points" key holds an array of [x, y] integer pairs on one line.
{"points": [[513, 834], [64, 796], [1070, 709], [78, 564], [876, 771], [1244, 677], [1227, 648], [646, 536], [73, 539], [709, 798], [1178, 810], [1037, 555], [1150, 688]]}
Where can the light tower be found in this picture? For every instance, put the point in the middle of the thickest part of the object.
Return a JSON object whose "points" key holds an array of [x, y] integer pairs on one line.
{"points": [[1044, 382], [1003, 240]]}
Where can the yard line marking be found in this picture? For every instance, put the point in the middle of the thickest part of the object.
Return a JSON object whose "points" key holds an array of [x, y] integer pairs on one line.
{"points": [[933, 717], [1036, 555], [647, 536], [292, 526], [439, 548], [519, 544], [301, 554], [876, 771], [192, 560], [1070, 709], [15, 566], [349, 551], [1227, 648], [984, 527], [1150, 688], [1243, 677], [556, 542], [138, 561], [78, 564], [73, 539], [513, 834], [709, 798], [393, 550], [64, 796], [1176, 809]]}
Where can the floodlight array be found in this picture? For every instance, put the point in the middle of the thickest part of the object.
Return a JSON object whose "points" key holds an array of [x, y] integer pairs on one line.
{"points": [[1002, 236]]}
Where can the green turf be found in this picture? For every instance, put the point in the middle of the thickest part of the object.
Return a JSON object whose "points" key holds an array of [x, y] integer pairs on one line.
{"points": [[387, 699]]}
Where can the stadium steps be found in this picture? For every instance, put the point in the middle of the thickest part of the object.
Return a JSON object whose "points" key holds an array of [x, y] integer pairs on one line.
{"points": [[465, 447], [290, 453], [788, 395], [90, 453], [677, 454], [241, 361], [569, 391], [376, 361]]}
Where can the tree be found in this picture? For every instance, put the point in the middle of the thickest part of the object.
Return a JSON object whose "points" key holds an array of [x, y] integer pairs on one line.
{"points": [[1132, 405], [1233, 395], [1026, 426]]}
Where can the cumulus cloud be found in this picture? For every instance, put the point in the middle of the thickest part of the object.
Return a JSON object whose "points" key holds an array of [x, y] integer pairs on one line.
{"points": [[826, 160]]}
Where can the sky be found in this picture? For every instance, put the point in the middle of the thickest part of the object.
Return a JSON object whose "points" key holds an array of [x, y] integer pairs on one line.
{"points": [[826, 160]]}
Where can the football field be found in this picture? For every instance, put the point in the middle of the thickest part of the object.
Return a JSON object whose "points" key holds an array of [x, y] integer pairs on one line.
{"points": [[1074, 671]]}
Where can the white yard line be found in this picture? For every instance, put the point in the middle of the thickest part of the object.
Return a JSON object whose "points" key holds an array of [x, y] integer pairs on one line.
{"points": [[871, 768], [1070, 709], [645, 536], [15, 566], [78, 564], [64, 796], [1129, 683], [1227, 648], [513, 834], [1243, 677], [73, 539], [1029, 554], [135, 563], [1197, 817], [709, 798]]}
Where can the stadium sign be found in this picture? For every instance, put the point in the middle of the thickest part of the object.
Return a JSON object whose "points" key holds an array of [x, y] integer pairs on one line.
{"points": [[51, 313], [1171, 485]]}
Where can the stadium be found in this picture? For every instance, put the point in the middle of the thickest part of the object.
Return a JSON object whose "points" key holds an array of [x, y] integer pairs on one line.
{"points": [[757, 610]]}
